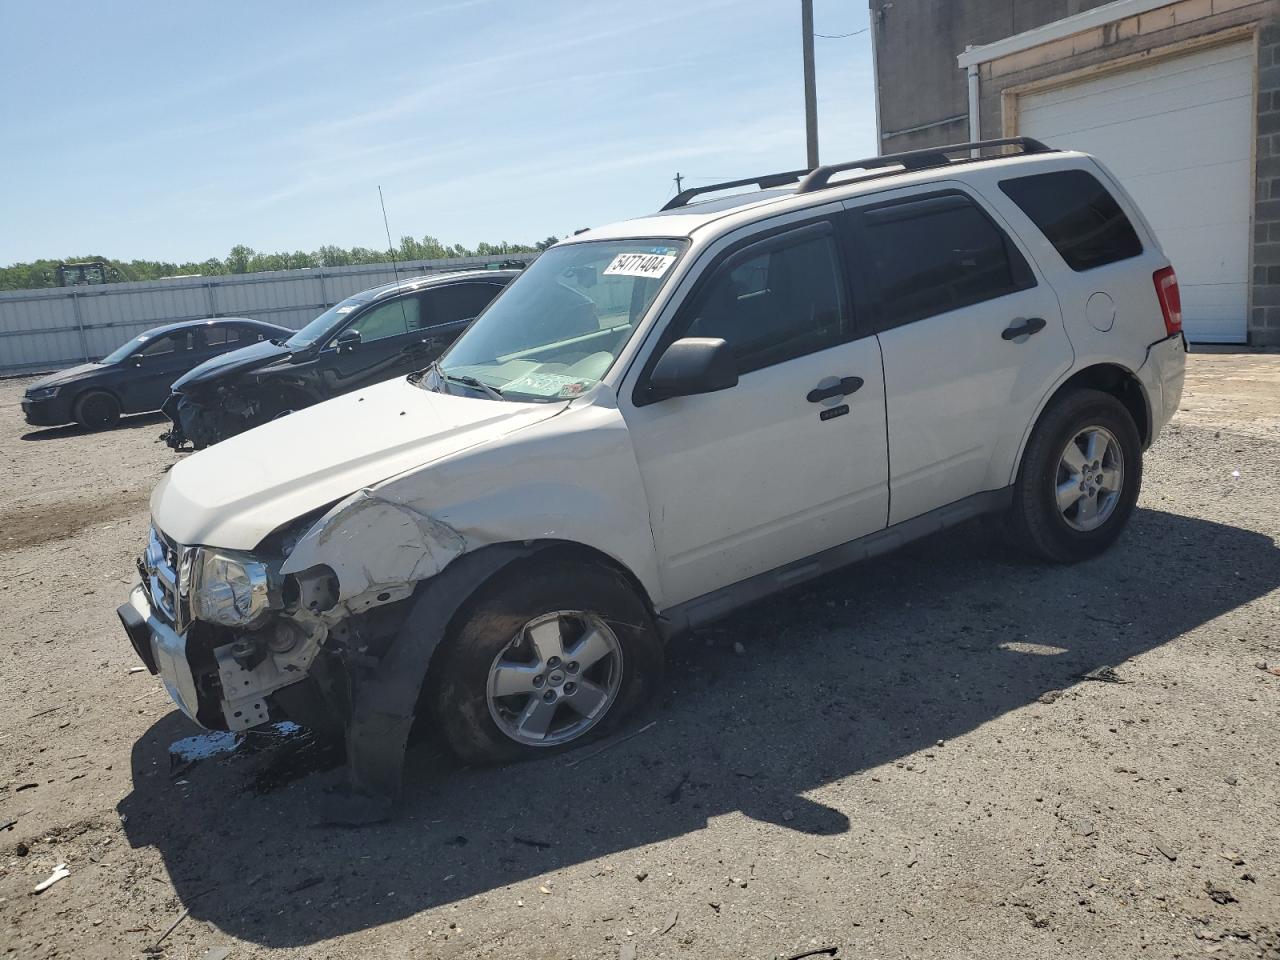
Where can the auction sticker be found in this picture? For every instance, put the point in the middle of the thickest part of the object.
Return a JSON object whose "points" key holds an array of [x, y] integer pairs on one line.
{"points": [[640, 265]]}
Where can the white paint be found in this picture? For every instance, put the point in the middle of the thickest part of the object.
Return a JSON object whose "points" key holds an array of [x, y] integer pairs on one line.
{"points": [[1178, 134], [1058, 29]]}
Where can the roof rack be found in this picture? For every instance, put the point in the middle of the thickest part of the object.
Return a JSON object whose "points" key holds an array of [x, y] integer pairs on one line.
{"points": [[765, 182], [820, 177]]}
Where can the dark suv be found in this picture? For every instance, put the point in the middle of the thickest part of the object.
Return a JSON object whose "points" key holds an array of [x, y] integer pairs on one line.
{"points": [[384, 332]]}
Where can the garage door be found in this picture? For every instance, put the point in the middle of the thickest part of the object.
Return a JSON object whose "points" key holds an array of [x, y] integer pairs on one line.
{"points": [[1178, 134]]}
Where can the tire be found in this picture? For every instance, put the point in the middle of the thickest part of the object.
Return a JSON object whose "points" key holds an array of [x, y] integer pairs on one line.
{"points": [[1038, 522], [495, 639], [97, 410]]}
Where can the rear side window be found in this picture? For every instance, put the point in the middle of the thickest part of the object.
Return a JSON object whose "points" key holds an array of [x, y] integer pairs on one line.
{"points": [[458, 301], [936, 254], [775, 301], [1077, 215], [220, 336]]}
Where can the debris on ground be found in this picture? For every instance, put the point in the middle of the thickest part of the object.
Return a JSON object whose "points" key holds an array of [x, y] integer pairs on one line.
{"points": [[627, 952], [672, 917], [595, 753], [1084, 827], [1169, 853], [1217, 894], [1049, 696], [738, 648], [1104, 674], [526, 841], [8, 825], [673, 795], [217, 953], [60, 872], [820, 952]]}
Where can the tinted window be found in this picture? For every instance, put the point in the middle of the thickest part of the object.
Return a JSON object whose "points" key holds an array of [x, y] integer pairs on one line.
{"points": [[937, 254], [778, 300], [1077, 215], [458, 301], [388, 320], [220, 336], [167, 344]]}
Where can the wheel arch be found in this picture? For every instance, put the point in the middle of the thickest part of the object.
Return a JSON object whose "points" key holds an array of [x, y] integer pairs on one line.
{"points": [[1110, 378], [84, 391]]}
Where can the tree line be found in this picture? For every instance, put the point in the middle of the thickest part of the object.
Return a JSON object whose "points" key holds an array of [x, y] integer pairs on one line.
{"points": [[243, 259]]}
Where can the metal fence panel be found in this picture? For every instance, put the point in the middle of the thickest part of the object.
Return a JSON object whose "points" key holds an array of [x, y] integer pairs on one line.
{"points": [[48, 329]]}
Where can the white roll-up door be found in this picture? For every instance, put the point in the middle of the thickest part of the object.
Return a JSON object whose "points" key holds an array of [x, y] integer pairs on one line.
{"points": [[1178, 133]]}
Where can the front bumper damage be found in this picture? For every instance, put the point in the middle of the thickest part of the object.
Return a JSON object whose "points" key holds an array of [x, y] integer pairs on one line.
{"points": [[362, 643]]}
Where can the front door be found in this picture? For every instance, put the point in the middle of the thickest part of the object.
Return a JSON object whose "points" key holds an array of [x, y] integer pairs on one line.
{"points": [[972, 339], [158, 362], [383, 341], [791, 460]]}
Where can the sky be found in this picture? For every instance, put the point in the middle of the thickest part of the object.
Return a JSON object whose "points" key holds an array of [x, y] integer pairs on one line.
{"points": [[173, 131]]}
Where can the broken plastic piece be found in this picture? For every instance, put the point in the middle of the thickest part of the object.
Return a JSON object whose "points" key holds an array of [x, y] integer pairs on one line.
{"points": [[60, 872]]}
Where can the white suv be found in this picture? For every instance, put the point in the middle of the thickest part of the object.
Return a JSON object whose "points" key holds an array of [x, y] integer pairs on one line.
{"points": [[659, 422]]}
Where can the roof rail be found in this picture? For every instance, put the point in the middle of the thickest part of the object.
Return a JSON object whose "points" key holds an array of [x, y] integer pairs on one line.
{"points": [[764, 183], [820, 178]]}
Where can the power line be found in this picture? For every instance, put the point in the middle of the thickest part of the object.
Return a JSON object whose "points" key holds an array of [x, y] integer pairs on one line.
{"points": [[841, 36]]}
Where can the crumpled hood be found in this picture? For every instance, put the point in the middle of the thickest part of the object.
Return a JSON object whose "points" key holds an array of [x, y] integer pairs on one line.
{"points": [[236, 361], [235, 493], [67, 375]]}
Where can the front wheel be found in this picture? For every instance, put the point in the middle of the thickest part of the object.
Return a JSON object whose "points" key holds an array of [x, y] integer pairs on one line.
{"points": [[545, 658], [1079, 480], [97, 410]]}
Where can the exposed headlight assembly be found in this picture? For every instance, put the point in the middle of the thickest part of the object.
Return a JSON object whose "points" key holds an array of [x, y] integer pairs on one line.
{"points": [[42, 393], [230, 589]]}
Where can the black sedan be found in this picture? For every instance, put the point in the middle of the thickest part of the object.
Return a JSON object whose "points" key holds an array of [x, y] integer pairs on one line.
{"points": [[135, 377], [385, 332]]}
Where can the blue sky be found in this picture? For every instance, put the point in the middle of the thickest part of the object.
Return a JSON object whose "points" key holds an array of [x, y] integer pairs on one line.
{"points": [[173, 130]]}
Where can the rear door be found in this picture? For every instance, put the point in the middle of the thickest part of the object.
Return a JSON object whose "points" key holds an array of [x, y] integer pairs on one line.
{"points": [[448, 310], [972, 338]]}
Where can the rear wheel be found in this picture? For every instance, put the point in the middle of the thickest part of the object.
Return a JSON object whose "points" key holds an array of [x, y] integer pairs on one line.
{"points": [[544, 659], [97, 409], [1079, 479]]}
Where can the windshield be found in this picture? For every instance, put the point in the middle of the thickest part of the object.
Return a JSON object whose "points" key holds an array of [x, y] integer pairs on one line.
{"points": [[122, 351], [317, 328], [557, 328]]}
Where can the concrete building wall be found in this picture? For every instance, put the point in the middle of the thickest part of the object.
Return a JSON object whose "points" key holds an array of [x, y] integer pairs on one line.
{"points": [[924, 93]]}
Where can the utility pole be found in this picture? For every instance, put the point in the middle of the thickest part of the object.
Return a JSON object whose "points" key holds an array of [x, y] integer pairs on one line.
{"points": [[810, 85], [679, 183]]}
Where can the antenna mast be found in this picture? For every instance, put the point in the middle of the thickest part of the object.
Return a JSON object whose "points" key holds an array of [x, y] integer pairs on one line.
{"points": [[390, 249]]}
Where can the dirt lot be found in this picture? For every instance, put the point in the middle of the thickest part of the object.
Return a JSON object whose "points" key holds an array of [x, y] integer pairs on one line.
{"points": [[904, 762]]}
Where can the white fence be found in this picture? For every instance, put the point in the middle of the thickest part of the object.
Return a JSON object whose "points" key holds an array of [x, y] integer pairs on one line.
{"points": [[48, 329]]}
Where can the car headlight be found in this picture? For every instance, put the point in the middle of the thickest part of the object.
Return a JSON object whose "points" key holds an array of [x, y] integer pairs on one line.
{"points": [[229, 589], [42, 393]]}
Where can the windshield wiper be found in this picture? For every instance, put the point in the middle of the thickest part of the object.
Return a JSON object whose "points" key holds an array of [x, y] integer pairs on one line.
{"points": [[493, 393]]}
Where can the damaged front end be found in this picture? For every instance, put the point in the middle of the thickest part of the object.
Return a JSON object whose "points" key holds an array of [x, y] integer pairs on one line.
{"points": [[210, 416], [245, 638]]}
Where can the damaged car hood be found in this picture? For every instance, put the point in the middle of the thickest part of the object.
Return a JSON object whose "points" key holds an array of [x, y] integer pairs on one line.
{"points": [[234, 494], [237, 361]]}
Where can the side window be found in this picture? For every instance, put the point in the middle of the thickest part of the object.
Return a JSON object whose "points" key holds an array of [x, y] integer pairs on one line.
{"points": [[457, 301], [936, 254], [221, 336], [1077, 215], [389, 320], [775, 301], [169, 344]]}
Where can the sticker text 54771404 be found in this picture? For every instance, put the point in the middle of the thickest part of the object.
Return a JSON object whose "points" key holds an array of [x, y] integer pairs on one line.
{"points": [[639, 265]]}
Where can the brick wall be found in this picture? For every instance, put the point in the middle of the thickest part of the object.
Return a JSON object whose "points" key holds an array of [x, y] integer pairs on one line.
{"points": [[1264, 318]]}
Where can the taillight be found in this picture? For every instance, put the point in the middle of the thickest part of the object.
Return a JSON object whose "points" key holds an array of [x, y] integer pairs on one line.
{"points": [[1170, 299]]}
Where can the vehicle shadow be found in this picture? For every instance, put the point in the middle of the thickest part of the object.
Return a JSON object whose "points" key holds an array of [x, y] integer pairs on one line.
{"points": [[75, 430], [862, 668]]}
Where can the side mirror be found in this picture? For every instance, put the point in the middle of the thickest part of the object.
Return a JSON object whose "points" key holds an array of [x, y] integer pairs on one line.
{"points": [[347, 340], [691, 366]]}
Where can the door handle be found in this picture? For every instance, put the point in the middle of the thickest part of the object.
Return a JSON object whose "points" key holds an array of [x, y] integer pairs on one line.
{"points": [[1023, 327], [841, 388]]}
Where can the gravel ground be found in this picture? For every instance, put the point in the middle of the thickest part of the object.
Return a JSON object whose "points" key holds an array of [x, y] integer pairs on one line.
{"points": [[905, 760]]}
